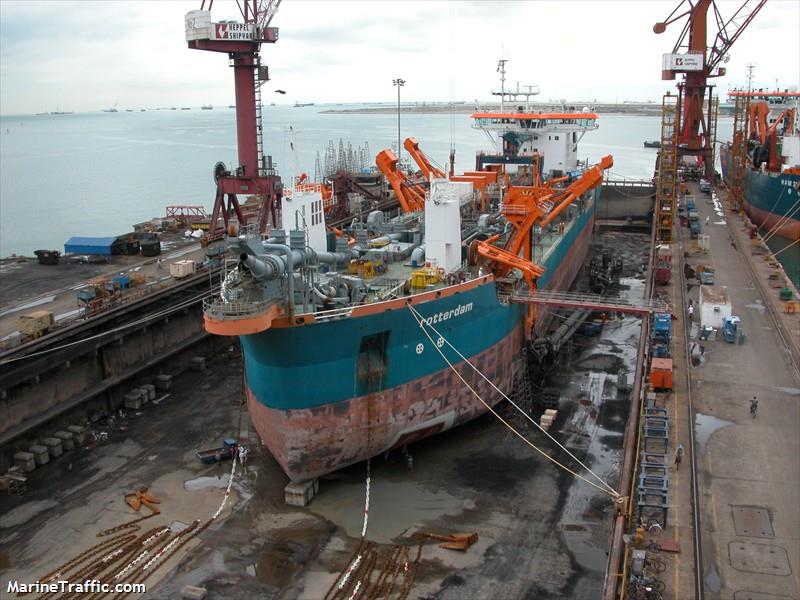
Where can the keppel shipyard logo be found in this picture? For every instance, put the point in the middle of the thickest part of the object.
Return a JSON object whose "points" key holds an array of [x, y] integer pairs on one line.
{"points": [[449, 314]]}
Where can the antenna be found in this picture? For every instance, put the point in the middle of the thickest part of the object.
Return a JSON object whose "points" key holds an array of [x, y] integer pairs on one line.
{"points": [[750, 68]]}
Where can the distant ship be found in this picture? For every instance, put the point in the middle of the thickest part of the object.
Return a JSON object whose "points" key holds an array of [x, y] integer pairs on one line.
{"points": [[173, 108], [186, 108], [128, 110], [61, 112], [206, 107], [301, 104], [112, 109], [772, 171], [231, 106], [655, 144]]}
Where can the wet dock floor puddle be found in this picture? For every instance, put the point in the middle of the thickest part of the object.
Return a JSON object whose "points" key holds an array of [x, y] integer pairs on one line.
{"points": [[705, 426], [402, 506]]}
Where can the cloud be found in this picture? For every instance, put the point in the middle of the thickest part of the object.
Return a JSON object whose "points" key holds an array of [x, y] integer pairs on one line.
{"points": [[89, 55]]}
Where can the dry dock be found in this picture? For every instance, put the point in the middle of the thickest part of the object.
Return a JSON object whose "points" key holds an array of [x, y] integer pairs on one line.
{"points": [[542, 533]]}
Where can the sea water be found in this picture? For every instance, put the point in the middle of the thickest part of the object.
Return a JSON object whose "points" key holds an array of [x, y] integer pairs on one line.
{"points": [[96, 174]]}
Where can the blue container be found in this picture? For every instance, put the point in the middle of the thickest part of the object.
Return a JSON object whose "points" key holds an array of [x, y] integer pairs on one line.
{"points": [[662, 327], [86, 295], [122, 281]]}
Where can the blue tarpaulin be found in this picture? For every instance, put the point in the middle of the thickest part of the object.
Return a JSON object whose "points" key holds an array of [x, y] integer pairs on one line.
{"points": [[89, 245]]}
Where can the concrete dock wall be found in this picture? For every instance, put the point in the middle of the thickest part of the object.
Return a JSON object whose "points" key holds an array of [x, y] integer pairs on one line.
{"points": [[66, 386], [627, 199]]}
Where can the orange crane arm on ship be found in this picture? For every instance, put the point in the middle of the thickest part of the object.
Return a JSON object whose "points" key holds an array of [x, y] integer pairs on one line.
{"points": [[525, 206], [412, 147], [479, 179], [410, 197], [787, 117], [590, 179], [764, 133], [759, 112]]}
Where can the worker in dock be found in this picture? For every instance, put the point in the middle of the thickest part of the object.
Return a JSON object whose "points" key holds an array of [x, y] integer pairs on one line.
{"points": [[678, 456], [691, 311], [754, 406]]}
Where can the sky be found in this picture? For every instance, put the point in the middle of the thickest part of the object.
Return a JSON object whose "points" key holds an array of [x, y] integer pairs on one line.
{"points": [[88, 55]]}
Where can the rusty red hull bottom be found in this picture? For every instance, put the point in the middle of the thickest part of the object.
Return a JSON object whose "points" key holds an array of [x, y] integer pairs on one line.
{"points": [[310, 442]]}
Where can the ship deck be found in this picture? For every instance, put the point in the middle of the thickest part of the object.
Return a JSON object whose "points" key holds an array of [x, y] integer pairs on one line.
{"points": [[391, 282]]}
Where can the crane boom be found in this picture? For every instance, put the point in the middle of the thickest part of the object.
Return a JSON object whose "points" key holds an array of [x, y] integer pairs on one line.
{"points": [[525, 206], [480, 180], [408, 195], [698, 63], [412, 147]]}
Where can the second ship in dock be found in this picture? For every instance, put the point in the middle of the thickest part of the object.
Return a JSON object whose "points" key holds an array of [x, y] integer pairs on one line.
{"points": [[771, 179], [338, 367]]}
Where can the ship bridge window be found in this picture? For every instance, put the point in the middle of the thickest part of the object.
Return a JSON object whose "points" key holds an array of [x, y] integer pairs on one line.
{"points": [[556, 138], [371, 362]]}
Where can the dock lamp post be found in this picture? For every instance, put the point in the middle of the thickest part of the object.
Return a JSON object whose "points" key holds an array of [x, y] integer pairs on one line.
{"points": [[399, 83]]}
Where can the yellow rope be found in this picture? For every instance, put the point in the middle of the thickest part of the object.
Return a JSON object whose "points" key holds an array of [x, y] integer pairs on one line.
{"points": [[521, 411], [797, 241], [422, 324]]}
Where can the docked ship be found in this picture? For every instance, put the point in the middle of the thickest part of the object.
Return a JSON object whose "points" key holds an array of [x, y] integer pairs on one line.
{"points": [[338, 366], [772, 172]]}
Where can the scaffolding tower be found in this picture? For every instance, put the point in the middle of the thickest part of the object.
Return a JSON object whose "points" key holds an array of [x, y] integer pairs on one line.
{"points": [[667, 182], [737, 157], [712, 133]]}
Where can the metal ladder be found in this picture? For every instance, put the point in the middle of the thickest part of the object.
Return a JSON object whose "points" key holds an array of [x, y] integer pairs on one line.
{"points": [[259, 131]]}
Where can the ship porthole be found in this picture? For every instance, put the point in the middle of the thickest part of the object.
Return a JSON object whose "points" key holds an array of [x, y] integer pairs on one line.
{"points": [[300, 320]]}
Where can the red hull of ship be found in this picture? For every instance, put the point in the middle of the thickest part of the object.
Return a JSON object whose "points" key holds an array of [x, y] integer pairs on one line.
{"points": [[311, 442]]}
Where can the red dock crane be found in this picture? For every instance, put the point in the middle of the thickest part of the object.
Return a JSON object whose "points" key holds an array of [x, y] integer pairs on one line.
{"points": [[699, 63], [255, 174]]}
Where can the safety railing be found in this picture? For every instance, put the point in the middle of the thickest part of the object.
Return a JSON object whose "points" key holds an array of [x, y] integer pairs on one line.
{"points": [[334, 314], [217, 309]]}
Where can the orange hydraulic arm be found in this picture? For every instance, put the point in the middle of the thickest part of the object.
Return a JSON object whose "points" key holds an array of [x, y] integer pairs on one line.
{"points": [[479, 179], [412, 146], [525, 206], [589, 180], [787, 117], [410, 197], [530, 270], [759, 112]]}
